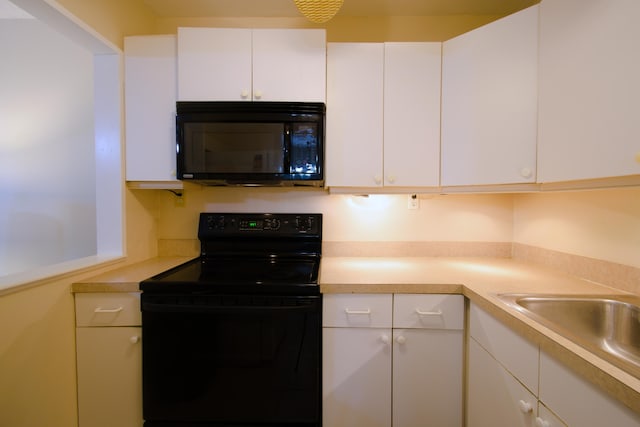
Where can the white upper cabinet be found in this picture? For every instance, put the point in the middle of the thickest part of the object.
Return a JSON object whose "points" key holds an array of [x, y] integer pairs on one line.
{"points": [[489, 103], [354, 114], [230, 64], [412, 81], [150, 105], [383, 114], [589, 89]]}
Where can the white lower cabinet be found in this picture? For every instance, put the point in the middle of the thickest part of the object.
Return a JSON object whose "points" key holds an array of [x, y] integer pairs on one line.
{"points": [[495, 397], [511, 383], [392, 360], [109, 360], [579, 402]]}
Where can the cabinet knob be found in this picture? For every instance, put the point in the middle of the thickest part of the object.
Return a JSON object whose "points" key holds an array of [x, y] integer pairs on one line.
{"points": [[384, 338], [542, 423], [525, 172], [638, 157], [258, 94], [134, 339], [377, 179], [525, 407], [244, 94], [400, 339], [391, 179]]}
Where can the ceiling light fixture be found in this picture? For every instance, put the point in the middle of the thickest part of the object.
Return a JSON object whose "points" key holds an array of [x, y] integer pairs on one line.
{"points": [[318, 11]]}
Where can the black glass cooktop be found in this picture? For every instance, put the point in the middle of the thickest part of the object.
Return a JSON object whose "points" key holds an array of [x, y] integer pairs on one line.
{"points": [[235, 276]]}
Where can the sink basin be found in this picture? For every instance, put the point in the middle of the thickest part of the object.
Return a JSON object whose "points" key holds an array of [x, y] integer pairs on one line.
{"points": [[608, 326]]}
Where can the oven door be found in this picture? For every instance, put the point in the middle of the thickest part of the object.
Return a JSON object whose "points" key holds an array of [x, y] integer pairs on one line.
{"points": [[231, 360]]}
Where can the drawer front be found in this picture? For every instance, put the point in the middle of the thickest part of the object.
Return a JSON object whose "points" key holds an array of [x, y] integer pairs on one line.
{"points": [[108, 309], [357, 310], [428, 311]]}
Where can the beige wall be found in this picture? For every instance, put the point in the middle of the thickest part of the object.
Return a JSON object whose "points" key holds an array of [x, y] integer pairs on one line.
{"points": [[602, 224], [477, 218], [37, 357]]}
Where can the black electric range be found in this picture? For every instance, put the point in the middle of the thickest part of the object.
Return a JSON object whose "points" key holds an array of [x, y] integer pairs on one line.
{"points": [[233, 338]]}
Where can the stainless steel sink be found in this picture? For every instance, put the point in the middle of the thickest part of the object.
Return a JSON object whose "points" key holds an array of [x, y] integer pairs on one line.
{"points": [[608, 326]]}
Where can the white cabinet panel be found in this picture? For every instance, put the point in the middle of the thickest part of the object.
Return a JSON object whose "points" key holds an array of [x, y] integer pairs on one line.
{"points": [[412, 80], [489, 103], [430, 311], [354, 114], [357, 310], [577, 401], [289, 65], [383, 114], [109, 377], [589, 89], [108, 309], [356, 371], [495, 397], [382, 376], [214, 64], [519, 356], [235, 64], [427, 377], [546, 418], [150, 107]]}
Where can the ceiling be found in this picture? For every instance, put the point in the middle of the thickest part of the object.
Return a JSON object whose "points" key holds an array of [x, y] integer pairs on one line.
{"points": [[350, 8]]}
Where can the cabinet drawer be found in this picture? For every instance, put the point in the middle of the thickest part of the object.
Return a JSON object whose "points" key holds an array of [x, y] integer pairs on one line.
{"points": [[428, 311], [357, 310], [108, 309]]}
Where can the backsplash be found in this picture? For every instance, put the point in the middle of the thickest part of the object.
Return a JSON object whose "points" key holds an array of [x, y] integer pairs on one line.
{"points": [[614, 275]]}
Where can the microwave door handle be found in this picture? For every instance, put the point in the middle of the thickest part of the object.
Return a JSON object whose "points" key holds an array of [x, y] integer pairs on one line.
{"points": [[286, 148]]}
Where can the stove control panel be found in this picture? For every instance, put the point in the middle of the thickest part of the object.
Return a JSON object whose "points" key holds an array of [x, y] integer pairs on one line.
{"points": [[219, 224]]}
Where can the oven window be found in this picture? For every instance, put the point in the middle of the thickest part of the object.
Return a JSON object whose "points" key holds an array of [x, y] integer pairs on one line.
{"points": [[232, 359], [234, 147]]}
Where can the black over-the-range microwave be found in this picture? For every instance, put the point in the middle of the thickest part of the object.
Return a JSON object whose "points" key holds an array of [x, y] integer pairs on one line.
{"points": [[251, 143]]}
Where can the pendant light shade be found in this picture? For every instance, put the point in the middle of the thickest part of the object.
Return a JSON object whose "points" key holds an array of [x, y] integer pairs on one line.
{"points": [[318, 11]]}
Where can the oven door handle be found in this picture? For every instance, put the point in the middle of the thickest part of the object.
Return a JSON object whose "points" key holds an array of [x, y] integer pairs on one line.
{"points": [[235, 309]]}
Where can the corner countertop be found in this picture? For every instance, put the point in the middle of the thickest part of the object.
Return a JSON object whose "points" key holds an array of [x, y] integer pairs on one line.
{"points": [[128, 278], [479, 279], [482, 280]]}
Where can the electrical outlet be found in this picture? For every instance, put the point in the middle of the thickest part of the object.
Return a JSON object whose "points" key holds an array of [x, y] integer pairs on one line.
{"points": [[414, 202]]}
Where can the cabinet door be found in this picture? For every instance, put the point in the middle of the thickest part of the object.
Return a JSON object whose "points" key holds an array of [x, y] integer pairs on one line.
{"points": [[289, 65], [214, 64], [577, 401], [354, 114], [489, 103], [356, 370], [546, 418], [427, 378], [589, 89], [109, 376], [150, 105], [412, 114], [494, 397], [516, 354]]}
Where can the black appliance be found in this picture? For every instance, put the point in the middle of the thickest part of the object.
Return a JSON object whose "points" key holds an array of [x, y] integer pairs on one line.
{"points": [[233, 338], [251, 143]]}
